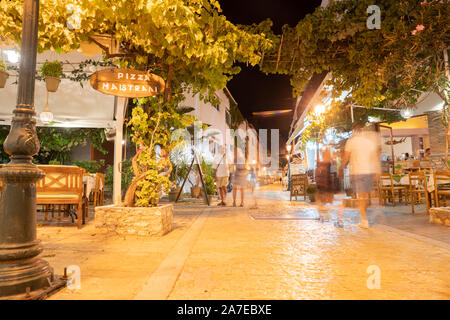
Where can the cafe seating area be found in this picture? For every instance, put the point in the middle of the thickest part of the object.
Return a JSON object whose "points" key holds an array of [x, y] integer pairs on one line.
{"points": [[414, 186], [66, 192]]}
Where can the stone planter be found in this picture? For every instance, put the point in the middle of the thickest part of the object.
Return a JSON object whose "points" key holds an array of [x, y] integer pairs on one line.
{"points": [[440, 216], [3, 77], [140, 221], [52, 83]]}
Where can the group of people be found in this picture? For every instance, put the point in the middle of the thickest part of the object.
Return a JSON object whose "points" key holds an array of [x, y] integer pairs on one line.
{"points": [[241, 178], [362, 154]]}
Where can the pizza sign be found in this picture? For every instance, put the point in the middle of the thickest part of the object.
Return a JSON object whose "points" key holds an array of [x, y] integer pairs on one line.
{"points": [[127, 83]]}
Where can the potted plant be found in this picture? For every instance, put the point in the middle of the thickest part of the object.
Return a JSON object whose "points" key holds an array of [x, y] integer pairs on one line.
{"points": [[311, 191], [195, 191], [176, 177], [3, 74], [52, 71], [210, 187]]}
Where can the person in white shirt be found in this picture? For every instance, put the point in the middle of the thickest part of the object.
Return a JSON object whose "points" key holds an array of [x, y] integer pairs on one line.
{"points": [[362, 153], [221, 173]]}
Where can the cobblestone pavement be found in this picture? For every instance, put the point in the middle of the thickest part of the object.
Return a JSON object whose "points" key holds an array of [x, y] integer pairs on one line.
{"points": [[239, 257], [278, 251]]}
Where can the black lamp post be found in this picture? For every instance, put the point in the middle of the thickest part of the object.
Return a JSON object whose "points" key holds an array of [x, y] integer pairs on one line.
{"points": [[22, 273]]}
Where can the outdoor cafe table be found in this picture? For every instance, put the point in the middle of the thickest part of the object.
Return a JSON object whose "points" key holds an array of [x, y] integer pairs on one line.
{"points": [[404, 181]]}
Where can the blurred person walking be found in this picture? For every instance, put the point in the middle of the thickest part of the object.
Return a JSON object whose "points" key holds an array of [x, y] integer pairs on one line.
{"points": [[221, 172], [326, 186], [362, 153], [252, 184], [239, 179]]}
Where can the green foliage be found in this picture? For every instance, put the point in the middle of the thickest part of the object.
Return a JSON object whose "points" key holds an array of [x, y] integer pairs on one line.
{"points": [[2, 66], [192, 38], [58, 143], [126, 176], [152, 124], [92, 166], [389, 67], [51, 69], [377, 67], [54, 162], [208, 173], [210, 185], [311, 189], [179, 172]]}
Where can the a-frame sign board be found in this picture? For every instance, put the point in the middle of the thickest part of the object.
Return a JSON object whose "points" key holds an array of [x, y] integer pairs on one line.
{"points": [[200, 172]]}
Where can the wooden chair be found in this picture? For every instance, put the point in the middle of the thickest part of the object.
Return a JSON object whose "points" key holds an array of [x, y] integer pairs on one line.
{"points": [[62, 185], [101, 195], [299, 183], [98, 191], [388, 190], [417, 188], [440, 178]]}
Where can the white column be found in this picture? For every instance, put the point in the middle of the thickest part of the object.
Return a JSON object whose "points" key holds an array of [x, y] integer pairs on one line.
{"points": [[117, 179]]}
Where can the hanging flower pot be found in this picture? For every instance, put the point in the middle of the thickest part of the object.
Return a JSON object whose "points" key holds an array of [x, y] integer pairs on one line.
{"points": [[52, 72], [52, 83], [3, 77]]}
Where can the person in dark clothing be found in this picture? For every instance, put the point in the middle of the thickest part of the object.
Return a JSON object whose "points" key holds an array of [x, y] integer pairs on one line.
{"points": [[326, 188]]}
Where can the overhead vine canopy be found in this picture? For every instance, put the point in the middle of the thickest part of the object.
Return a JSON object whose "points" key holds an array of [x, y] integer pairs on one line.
{"points": [[378, 67], [186, 41]]}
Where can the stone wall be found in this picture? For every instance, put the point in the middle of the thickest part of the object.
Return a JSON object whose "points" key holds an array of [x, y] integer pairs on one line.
{"points": [[437, 138], [437, 132], [139, 221], [440, 216]]}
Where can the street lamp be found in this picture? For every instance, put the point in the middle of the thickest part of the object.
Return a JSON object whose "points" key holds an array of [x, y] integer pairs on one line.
{"points": [[22, 274], [288, 148], [319, 109]]}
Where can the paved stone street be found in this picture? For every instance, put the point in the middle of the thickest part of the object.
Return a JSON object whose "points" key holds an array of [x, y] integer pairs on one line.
{"points": [[278, 251]]}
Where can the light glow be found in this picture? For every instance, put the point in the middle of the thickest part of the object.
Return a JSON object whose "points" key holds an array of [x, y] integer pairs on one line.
{"points": [[319, 109], [13, 56], [406, 113], [46, 117]]}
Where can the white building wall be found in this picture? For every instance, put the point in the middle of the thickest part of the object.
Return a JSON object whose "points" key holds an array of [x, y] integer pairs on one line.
{"points": [[214, 117]]}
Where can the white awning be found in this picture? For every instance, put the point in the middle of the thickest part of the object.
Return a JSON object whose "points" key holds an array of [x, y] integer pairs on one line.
{"points": [[72, 105]]}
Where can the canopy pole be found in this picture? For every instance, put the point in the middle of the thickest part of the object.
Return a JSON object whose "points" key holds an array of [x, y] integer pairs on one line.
{"points": [[117, 177]]}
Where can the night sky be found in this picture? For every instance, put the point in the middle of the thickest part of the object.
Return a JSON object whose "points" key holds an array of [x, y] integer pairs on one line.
{"points": [[252, 89]]}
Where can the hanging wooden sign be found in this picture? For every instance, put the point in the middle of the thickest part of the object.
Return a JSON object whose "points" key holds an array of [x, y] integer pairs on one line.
{"points": [[127, 83]]}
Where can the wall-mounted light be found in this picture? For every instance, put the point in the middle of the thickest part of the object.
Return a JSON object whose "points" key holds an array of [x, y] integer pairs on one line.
{"points": [[406, 113], [12, 56], [46, 116]]}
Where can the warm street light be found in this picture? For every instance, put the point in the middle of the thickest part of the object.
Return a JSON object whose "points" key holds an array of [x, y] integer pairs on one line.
{"points": [[288, 148], [319, 109], [22, 274], [406, 113], [12, 56]]}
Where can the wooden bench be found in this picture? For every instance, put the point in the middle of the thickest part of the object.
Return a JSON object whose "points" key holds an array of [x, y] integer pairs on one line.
{"points": [[62, 185]]}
